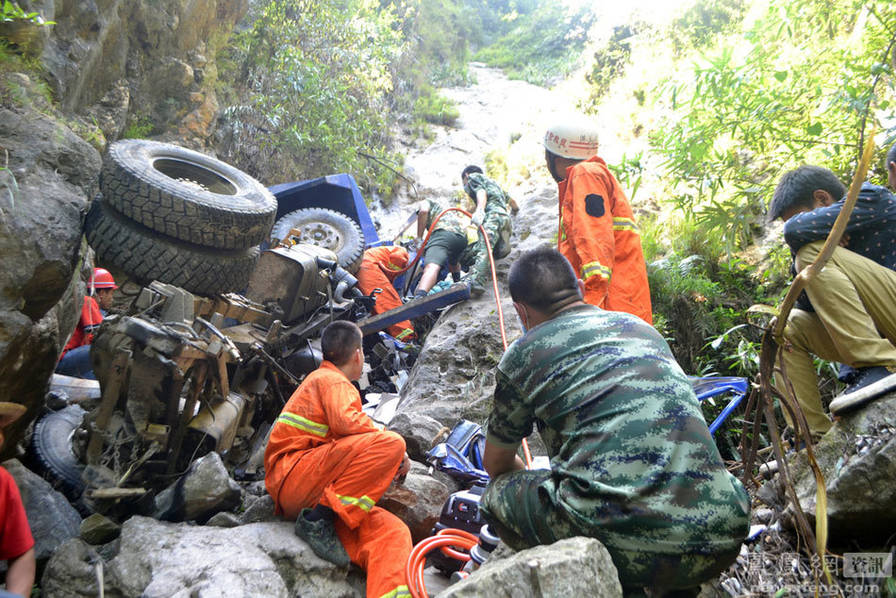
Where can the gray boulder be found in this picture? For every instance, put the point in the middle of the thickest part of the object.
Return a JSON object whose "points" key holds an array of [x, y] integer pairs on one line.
{"points": [[418, 431], [204, 490], [49, 177], [453, 378], [418, 502], [99, 529], [157, 560], [858, 459], [52, 519], [572, 567]]}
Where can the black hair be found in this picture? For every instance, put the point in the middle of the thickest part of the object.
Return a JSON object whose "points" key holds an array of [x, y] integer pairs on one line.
{"points": [[339, 340], [544, 279], [469, 170], [796, 187], [891, 157]]}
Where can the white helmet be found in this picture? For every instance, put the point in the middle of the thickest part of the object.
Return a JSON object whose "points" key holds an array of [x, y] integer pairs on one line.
{"points": [[574, 138]]}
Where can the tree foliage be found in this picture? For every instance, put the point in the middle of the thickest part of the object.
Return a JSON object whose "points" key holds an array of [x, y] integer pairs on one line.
{"points": [[543, 43], [795, 86], [312, 80]]}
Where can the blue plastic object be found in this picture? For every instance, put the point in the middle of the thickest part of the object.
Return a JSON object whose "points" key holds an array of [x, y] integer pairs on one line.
{"points": [[460, 455], [337, 192], [713, 386]]}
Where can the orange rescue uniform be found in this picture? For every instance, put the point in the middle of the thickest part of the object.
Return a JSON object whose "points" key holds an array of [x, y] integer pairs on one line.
{"points": [[90, 319], [599, 237], [324, 449], [380, 266]]}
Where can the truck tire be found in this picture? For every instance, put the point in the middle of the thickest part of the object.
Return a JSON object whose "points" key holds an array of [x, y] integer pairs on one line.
{"points": [[186, 195], [146, 255], [51, 446], [328, 229]]}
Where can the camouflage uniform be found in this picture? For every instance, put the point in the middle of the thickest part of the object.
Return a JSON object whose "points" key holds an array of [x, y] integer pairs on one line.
{"points": [[632, 460], [496, 224], [454, 222]]}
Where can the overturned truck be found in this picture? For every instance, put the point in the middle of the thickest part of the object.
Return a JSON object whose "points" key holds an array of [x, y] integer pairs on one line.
{"points": [[183, 373]]}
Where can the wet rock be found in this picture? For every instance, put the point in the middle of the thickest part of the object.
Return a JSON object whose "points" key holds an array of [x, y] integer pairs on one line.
{"points": [[52, 519], [571, 567], [204, 490], [418, 502], [97, 529], [418, 430], [157, 559], [858, 459]]}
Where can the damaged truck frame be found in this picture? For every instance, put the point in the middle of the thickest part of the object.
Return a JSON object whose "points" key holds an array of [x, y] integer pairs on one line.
{"points": [[182, 375]]}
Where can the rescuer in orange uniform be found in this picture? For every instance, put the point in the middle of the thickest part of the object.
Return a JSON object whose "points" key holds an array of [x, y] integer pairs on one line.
{"points": [[75, 357], [326, 465], [598, 234], [380, 266]]}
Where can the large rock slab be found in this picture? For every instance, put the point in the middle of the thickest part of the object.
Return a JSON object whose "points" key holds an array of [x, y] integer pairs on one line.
{"points": [[52, 519], [572, 567], [858, 459], [162, 560], [51, 174], [204, 490]]}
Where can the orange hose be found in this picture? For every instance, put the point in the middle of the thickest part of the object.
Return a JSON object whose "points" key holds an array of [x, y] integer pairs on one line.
{"points": [[417, 560]]}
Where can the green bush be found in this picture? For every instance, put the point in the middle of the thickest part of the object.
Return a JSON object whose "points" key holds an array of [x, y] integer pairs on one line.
{"points": [[543, 45], [435, 108]]}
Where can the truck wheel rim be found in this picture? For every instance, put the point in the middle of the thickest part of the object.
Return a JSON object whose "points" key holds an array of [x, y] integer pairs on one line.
{"points": [[322, 235]]}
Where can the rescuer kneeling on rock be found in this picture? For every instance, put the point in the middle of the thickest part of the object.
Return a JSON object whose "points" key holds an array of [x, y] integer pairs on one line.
{"points": [[327, 465], [632, 460]]}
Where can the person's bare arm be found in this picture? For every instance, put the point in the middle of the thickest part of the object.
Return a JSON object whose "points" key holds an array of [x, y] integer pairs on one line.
{"points": [[20, 575], [422, 217], [499, 459], [514, 207]]}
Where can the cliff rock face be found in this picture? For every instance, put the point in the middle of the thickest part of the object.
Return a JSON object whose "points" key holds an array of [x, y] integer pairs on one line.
{"points": [[141, 64], [109, 66]]}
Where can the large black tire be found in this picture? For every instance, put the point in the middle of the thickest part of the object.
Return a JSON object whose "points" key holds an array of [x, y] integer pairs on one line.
{"points": [[328, 229], [186, 195], [148, 256], [51, 446]]}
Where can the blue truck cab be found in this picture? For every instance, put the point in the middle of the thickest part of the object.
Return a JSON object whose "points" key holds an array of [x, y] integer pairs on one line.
{"points": [[337, 192]]}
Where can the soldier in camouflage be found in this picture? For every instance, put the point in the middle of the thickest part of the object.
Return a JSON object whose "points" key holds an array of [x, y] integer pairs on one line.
{"points": [[446, 243], [492, 212], [632, 460]]}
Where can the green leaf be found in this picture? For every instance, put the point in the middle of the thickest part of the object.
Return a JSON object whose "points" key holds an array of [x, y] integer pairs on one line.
{"points": [[780, 75], [814, 129]]}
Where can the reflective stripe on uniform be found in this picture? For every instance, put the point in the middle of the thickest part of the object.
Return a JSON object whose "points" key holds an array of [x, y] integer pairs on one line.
{"points": [[405, 333], [625, 224], [562, 230], [365, 503], [297, 421], [398, 592], [595, 268]]}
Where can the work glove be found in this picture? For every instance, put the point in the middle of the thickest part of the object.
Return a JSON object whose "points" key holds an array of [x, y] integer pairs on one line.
{"points": [[440, 286], [477, 218]]}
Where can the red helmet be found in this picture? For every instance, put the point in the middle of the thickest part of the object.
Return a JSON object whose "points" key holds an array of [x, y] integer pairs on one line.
{"points": [[101, 279]]}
